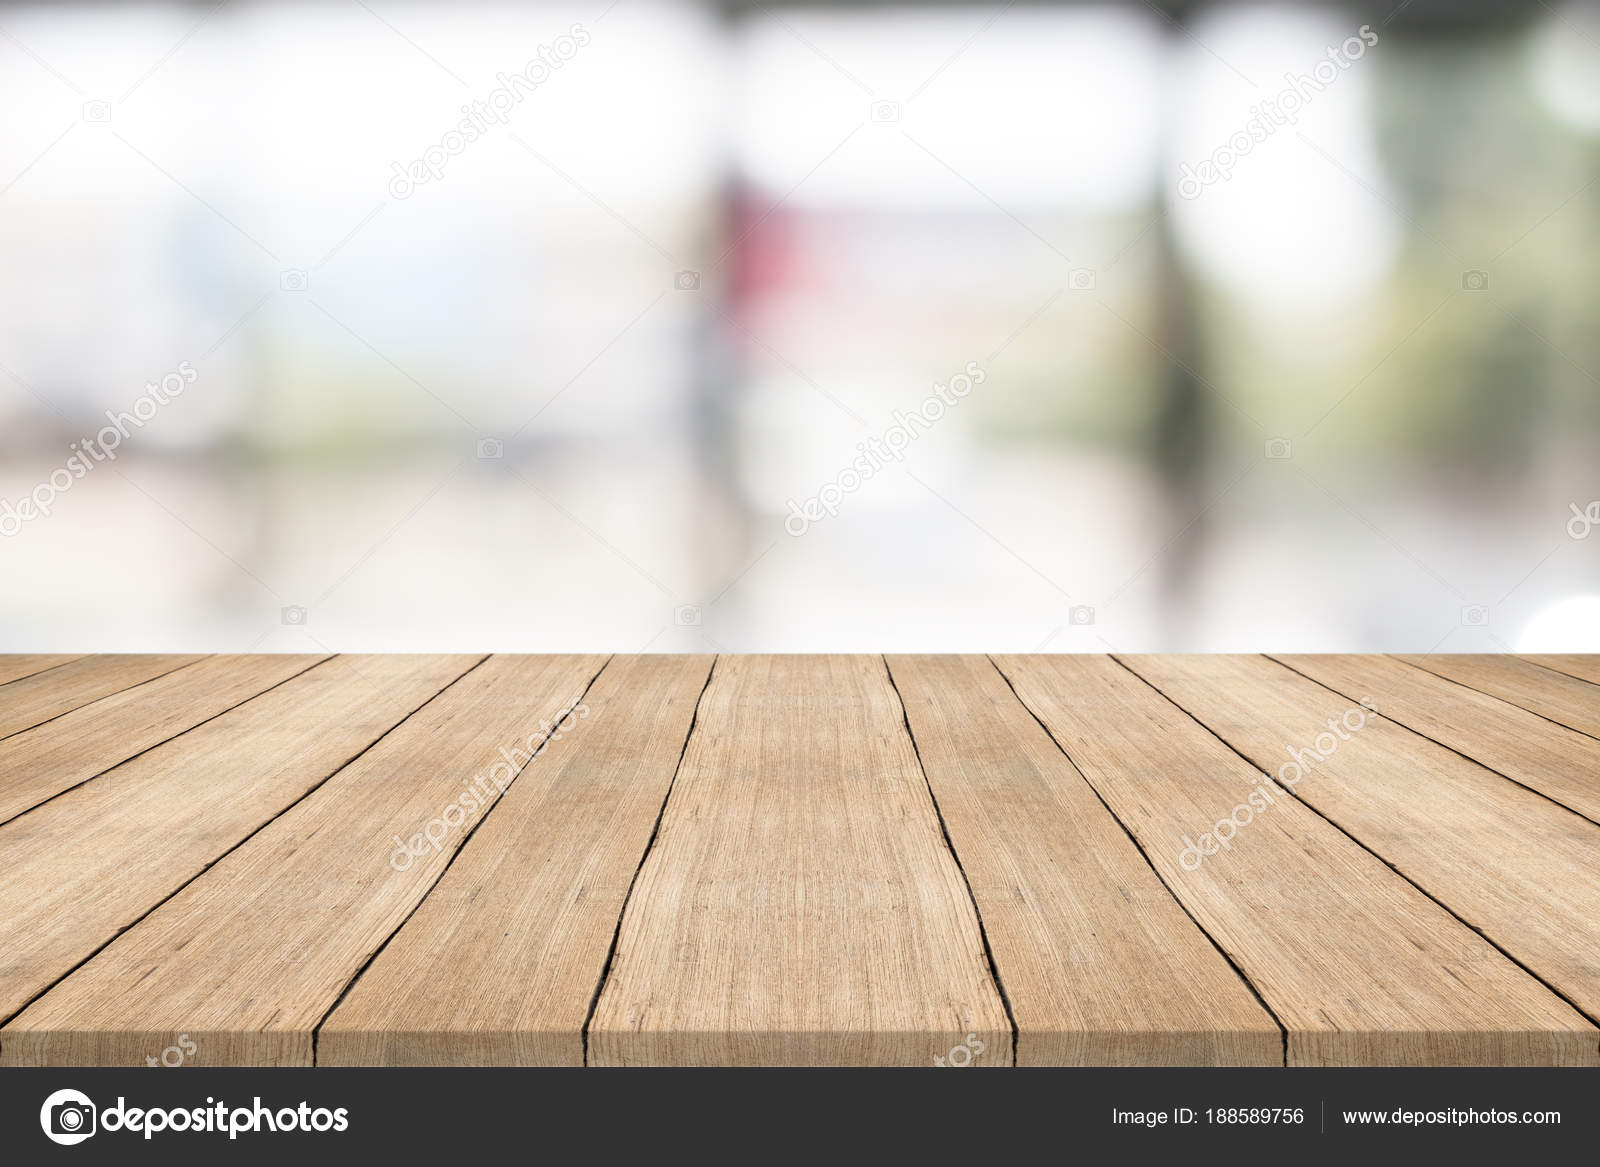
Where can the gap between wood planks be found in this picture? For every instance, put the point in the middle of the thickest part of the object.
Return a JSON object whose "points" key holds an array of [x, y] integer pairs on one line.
{"points": [[1331, 821], [1563, 695], [1159, 766], [1283, 1030], [1458, 751], [555, 722], [944, 829], [31, 665], [655, 832], [17, 739], [88, 694], [694, 724], [244, 839]]}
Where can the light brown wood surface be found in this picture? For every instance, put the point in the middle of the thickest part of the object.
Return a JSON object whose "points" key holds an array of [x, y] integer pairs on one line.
{"points": [[43, 694], [1585, 668], [44, 761], [248, 958], [1100, 965], [15, 666], [84, 866], [1552, 759], [1551, 694], [745, 861], [800, 906], [1457, 830], [527, 913], [1358, 966]]}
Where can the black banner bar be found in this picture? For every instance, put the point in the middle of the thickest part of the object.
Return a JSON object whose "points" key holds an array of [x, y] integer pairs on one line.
{"points": [[326, 1115]]}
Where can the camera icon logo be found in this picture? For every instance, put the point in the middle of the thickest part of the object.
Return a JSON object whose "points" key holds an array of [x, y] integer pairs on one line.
{"points": [[1080, 614], [490, 449], [1475, 616], [1476, 280], [97, 111], [1278, 449], [885, 111], [295, 615], [67, 1117], [293, 280], [687, 616], [1081, 279], [687, 281]]}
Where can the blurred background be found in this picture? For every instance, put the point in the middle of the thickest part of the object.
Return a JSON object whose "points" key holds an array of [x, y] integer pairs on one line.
{"points": [[619, 369]]}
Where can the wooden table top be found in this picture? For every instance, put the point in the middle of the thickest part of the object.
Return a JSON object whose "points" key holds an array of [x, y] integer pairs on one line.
{"points": [[799, 860]]}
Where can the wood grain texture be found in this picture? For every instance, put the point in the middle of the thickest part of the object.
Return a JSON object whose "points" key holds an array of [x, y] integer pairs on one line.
{"points": [[238, 851], [56, 756], [36, 698], [1552, 759], [527, 913], [1457, 830], [251, 956], [1551, 694], [88, 864], [1584, 666], [1359, 966], [15, 666], [800, 906], [1100, 965]]}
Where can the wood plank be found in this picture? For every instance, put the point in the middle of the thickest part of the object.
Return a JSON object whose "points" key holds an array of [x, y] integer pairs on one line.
{"points": [[250, 957], [42, 762], [1459, 831], [1553, 695], [800, 906], [1358, 966], [1099, 963], [84, 866], [32, 700], [15, 666], [527, 913], [1552, 759], [1584, 666]]}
